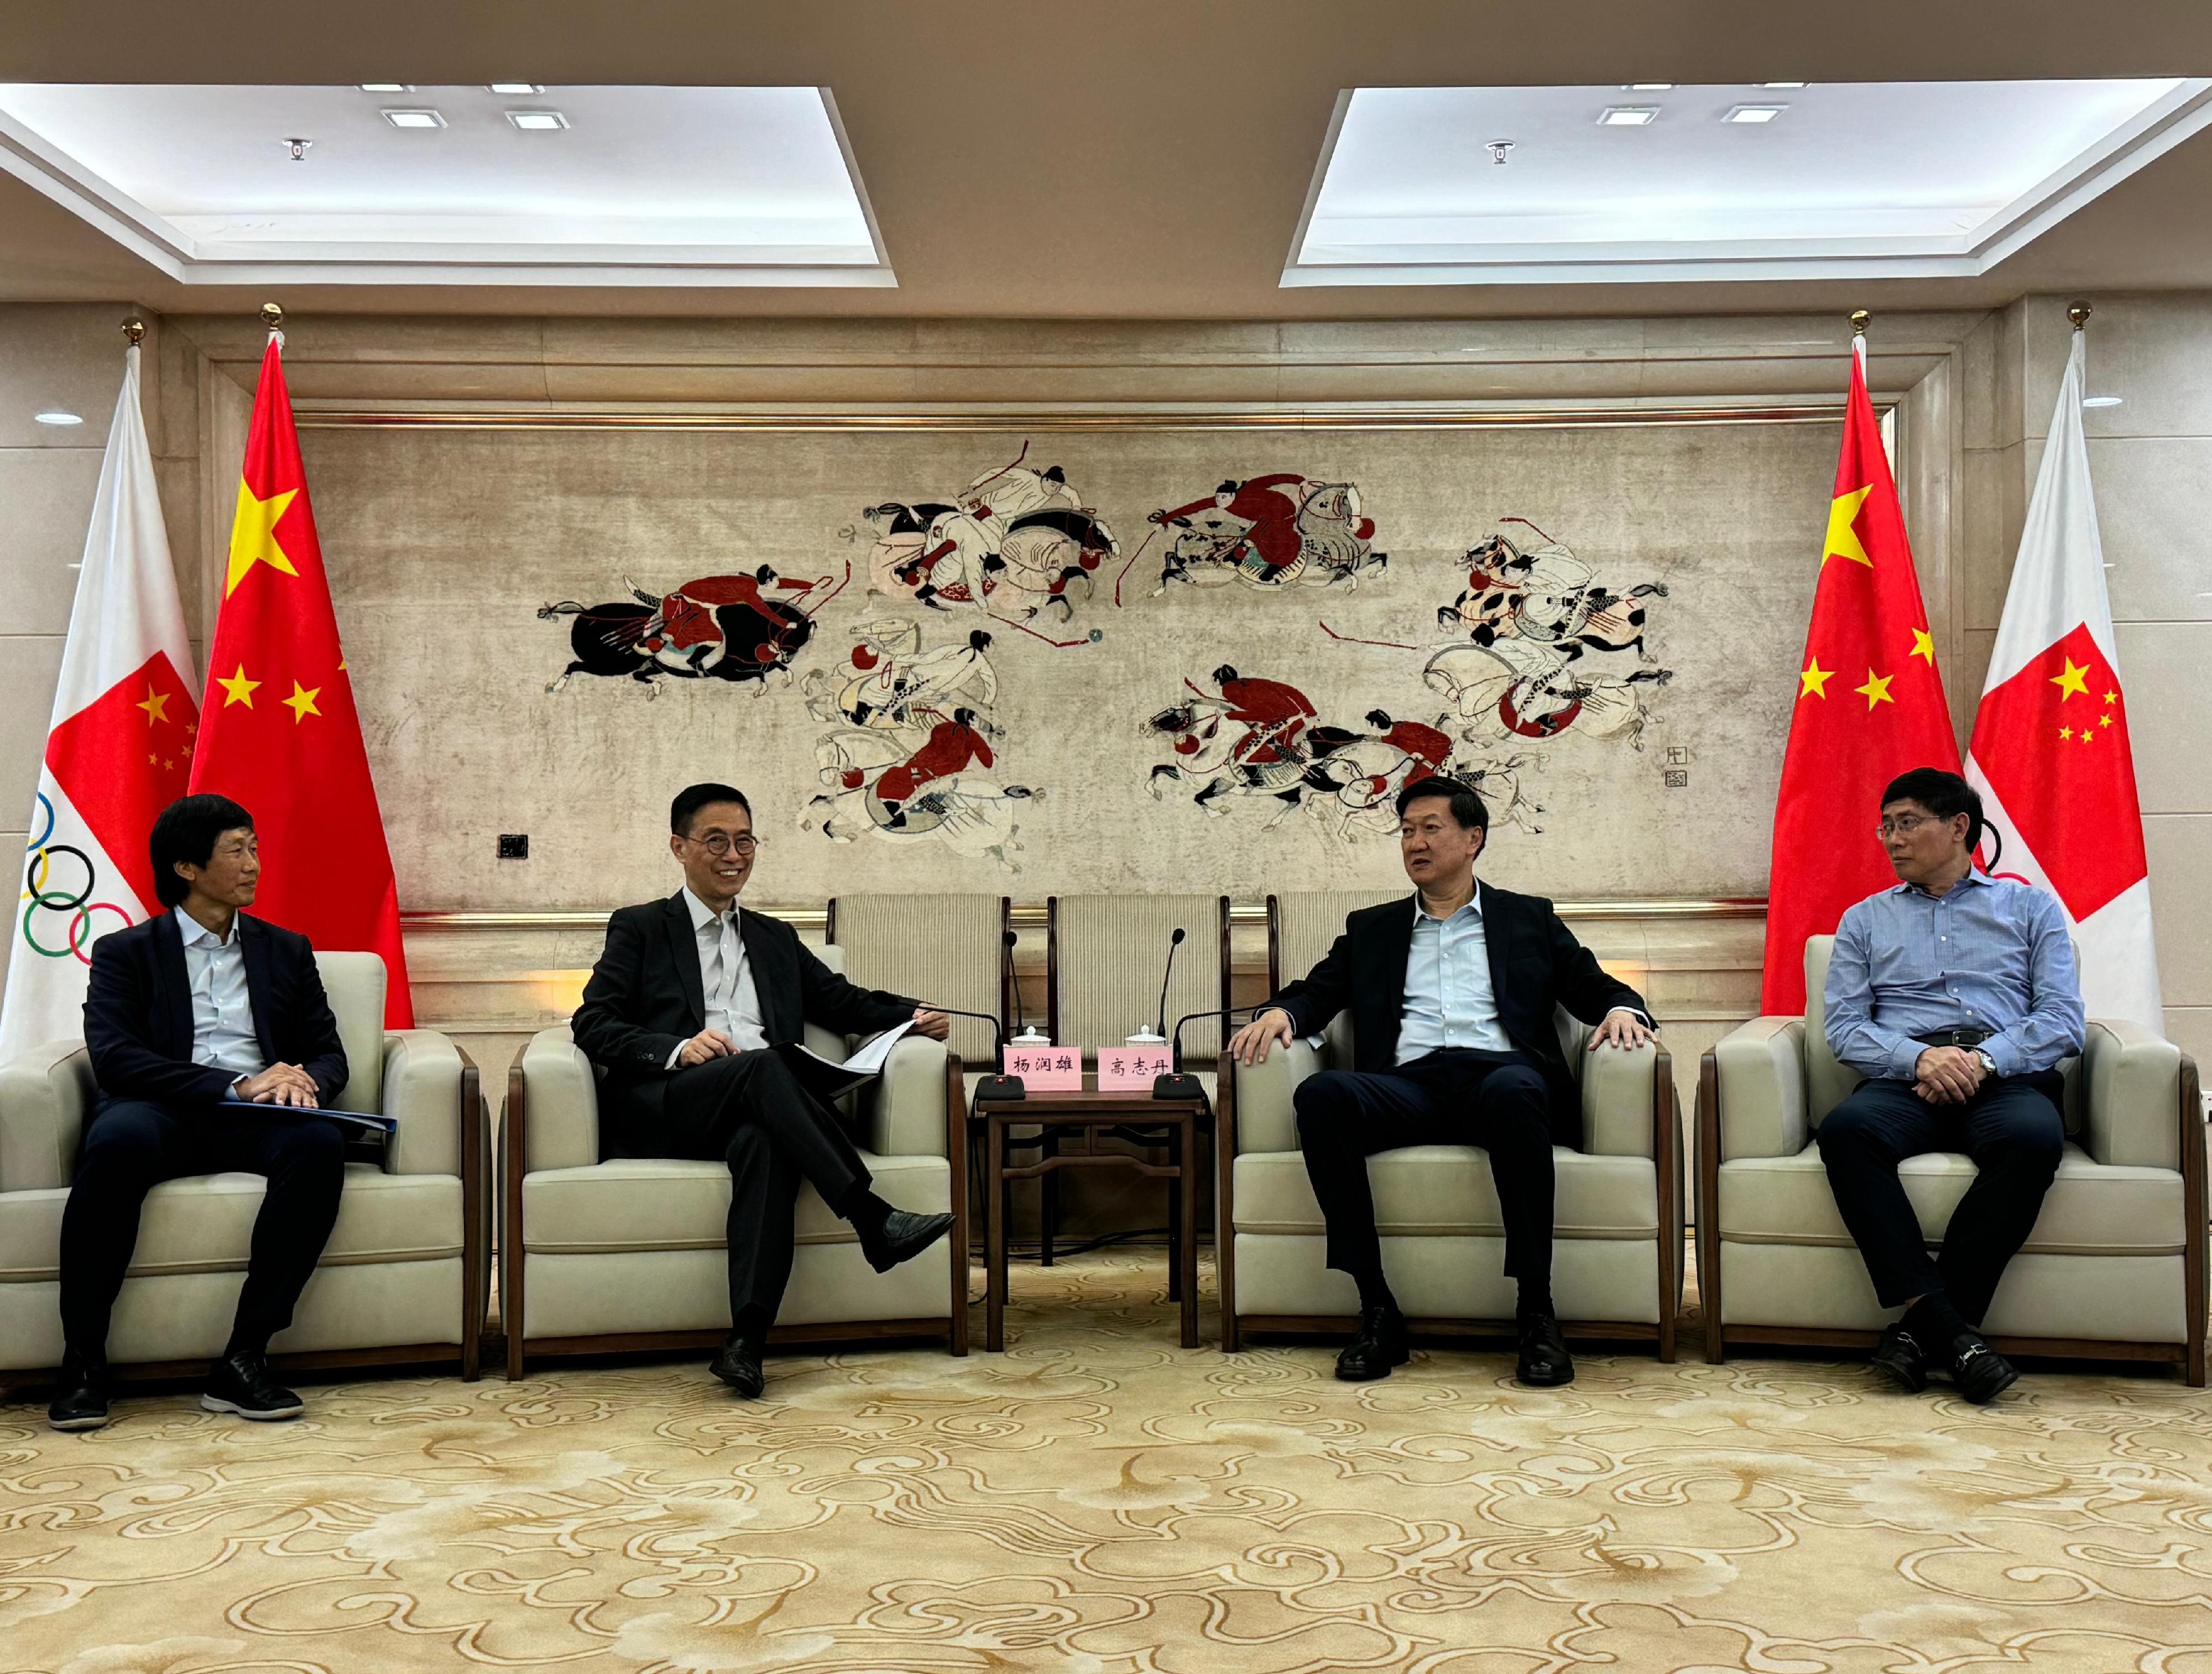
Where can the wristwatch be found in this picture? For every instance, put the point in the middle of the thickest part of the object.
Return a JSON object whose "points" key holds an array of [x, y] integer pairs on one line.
{"points": [[1989, 1065]]}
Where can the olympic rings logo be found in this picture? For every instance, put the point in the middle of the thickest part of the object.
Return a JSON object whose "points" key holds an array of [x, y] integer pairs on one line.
{"points": [[39, 896]]}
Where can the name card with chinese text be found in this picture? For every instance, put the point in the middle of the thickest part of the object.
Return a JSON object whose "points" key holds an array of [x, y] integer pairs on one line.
{"points": [[1131, 1068], [1047, 1069]]}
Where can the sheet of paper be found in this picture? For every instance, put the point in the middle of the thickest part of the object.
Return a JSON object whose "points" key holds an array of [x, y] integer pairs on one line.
{"points": [[869, 1060]]}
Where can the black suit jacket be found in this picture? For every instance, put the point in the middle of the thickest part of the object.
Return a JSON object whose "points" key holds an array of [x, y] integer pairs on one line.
{"points": [[138, 1013], [646, 999], [1535, 965]]}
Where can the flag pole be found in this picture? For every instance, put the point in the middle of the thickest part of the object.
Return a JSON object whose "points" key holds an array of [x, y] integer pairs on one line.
{"points": [[135, 329], [2079, 313], [273, 317], [1859, 319]]}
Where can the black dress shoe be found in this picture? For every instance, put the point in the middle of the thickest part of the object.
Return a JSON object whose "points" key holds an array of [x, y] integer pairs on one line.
{"points": [[902, 1236], [1979, 1371], [241, 1383], [79, 1400], [1545, 1363], [1379, 1346], [1900, 1357], [738, 1365]]}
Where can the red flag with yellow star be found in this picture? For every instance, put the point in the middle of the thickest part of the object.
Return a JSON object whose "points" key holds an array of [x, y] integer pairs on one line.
{"points": [[1869, 705], [278, 730]]}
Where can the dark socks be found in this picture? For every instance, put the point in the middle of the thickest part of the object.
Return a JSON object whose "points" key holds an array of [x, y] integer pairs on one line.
{"points": [[865, 1210], [1935, 1322], [245, 1342], [1374, 1292], [1535, 1300], [752, 1320]]}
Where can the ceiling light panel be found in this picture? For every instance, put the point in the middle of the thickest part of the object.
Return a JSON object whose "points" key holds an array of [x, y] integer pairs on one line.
{"points": [[1628, 115], [516, 90], [385, 86], [414, 118], [1754, 112], [1856, 179], [653, 185]]}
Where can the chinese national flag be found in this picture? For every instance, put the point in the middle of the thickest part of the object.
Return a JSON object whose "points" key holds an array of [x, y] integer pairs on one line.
{"points": [[2050, 753], [1870, 706], [278, 730]]}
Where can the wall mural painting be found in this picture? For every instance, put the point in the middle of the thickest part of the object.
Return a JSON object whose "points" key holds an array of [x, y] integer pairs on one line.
{"points": [[1283, 530], [1015, 544], [734, 628], [909, 748]]}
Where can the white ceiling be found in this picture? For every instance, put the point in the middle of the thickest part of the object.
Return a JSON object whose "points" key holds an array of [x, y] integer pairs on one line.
{"points": [[645, 186], [1884, 179]]}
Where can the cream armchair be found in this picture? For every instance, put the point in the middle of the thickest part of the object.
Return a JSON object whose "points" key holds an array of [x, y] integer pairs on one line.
{"points": [[604, 1257], [403, 1279], [2114, 1269], [1617, 1254]]}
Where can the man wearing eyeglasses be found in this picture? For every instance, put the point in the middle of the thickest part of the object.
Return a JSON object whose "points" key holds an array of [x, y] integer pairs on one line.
{"points": [[1954, 995], [679, 1012]]}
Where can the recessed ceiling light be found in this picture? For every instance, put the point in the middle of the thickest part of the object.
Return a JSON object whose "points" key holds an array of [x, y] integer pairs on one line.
{"points": [[57, 415], [537, 121], [1628, 116], [524, 88], [414, 118], [385, 87], [1777, 84], [2101, 401], [1647, 87], [1754, 113]]}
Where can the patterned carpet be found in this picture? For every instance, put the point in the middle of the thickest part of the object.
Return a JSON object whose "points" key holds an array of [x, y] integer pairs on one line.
{"points": [[1098, 1500]]}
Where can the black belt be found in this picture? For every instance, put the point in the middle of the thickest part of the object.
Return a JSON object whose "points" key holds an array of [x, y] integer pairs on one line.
{"points": [[1955, 1037]]}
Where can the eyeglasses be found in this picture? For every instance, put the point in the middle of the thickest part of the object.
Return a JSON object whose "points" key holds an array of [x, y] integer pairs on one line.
{"points": [[720, 843], [1905, 825]]}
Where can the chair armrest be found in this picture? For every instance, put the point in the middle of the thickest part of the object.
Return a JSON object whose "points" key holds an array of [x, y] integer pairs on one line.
{"points": [[46, 1096], [1760, 1085], [564, 1100], [1266, 1120], [904, 1114], [423, 1076], [2131, 1084], [1617, 1093]]}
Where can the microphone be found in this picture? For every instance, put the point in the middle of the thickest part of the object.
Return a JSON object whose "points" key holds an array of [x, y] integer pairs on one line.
{"points": [[1160, 1029], [1013, 985], [1180, 1084], [994, 1088]]}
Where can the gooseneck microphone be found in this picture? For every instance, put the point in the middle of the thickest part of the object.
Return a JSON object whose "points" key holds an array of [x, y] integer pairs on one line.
{"points": [[1160, 1029], [1013, 985], [996, 1085], [1181, 1084]]}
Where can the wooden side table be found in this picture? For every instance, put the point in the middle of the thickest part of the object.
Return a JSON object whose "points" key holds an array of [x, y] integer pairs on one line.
{"points": [[1073, 1124]]}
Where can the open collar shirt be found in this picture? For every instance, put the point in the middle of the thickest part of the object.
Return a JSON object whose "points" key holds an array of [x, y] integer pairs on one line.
{"points": [[726, 976], [1450, 998], [223, 1035]]}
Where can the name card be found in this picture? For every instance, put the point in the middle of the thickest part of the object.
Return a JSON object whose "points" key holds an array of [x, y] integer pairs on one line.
{"points": [[1131, 1068], [1047, 1069]]}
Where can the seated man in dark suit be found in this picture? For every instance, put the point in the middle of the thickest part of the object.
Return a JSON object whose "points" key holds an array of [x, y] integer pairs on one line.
{"points": [[186, 1016], [1451, 995], [1954, 995], [680, 1013]]}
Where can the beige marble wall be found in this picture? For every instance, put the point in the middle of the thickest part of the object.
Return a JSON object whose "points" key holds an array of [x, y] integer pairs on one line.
{"points": [[2151, 461]]}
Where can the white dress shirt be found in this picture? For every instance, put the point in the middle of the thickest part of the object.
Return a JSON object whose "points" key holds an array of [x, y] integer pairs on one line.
{"points": [[1449, 1001], [223, 1036], [726, 977]]}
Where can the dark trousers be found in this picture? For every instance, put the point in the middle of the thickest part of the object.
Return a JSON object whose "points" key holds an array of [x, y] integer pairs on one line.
{"points": [[751, 1112], [1454, 1097], [2010, 1128], [133, 1145]]}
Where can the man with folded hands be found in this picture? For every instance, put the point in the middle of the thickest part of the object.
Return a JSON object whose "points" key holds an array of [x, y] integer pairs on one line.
{"points": [[682, 1014], [1954, 995], [197, 1012], [1452, 992]]}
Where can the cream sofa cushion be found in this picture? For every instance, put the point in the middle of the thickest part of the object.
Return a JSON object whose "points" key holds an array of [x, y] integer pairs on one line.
{"points": [[204, 1224], [1448, 1191], [2093, 1208]]}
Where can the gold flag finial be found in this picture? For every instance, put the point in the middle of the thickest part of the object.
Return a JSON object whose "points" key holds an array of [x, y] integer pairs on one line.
{"points": [[2079, 313], [134, 329], [272, 316], [1859, 319]]}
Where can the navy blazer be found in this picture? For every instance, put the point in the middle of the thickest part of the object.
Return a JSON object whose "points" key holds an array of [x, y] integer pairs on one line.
{"points": [[646, 999], [138, 1013], [1535, 965]]}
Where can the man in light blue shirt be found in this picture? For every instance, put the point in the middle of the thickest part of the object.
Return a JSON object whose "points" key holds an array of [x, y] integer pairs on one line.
{"points": [[1954, 994]]}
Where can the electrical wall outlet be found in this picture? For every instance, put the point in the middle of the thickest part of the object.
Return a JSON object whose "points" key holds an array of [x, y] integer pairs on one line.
{"points": [[515, 845]]}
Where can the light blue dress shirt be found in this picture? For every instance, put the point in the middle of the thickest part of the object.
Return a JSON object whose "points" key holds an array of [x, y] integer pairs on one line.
{"points": [[1990, 954], [223, 1037], [1449, 1001]]}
